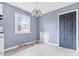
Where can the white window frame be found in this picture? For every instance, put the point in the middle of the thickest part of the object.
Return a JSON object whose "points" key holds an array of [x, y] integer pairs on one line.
{"points": [[16, 23]]}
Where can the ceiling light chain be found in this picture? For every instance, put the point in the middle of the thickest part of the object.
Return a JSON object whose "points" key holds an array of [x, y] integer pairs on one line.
{"points": [[36, 11]]}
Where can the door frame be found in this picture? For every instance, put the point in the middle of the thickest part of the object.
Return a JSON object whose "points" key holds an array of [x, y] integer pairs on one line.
{"points": [[76, 25]]}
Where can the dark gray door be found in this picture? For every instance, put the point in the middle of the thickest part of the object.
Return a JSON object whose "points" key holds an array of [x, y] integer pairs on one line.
{"points": [[67, 30]]}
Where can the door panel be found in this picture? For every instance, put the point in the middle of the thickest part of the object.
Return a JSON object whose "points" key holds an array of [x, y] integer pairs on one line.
{"points": [[62, 31], [67, 29]]}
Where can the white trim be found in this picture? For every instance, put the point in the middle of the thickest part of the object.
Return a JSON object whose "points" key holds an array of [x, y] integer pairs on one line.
{"points": [[77, 30], [10, 48], [29, 43], [1, 9], [58, 29], [21, 32], [52, 44], [76, 25], [20, 45]]}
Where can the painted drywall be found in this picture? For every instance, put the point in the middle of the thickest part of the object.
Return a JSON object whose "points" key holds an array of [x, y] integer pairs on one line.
{"points": [[49, 22], [11, 39]]}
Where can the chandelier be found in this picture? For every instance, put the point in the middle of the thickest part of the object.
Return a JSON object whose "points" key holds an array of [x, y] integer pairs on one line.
{"points": [[36, 11]]}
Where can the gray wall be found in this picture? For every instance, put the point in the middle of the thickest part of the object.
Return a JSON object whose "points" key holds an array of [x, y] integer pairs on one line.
{"points": [[12, 39], [49, 22]]}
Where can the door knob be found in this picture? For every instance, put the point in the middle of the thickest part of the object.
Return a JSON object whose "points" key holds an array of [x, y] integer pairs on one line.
{"points": [[61, 32]]}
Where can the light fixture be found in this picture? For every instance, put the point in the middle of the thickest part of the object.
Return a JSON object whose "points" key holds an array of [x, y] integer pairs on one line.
{"points": [[36, 11]]}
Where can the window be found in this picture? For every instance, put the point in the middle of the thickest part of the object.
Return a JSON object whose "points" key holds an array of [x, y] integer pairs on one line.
{"points": [[22, 23]]}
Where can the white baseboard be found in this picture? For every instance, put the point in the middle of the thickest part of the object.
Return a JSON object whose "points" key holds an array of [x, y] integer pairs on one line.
{"points": [[28, 43], [53, 44], [20, 45], [10, 48]]}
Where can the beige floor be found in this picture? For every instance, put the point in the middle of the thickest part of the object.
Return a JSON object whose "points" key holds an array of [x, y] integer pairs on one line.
{"points": [[41, 49]]}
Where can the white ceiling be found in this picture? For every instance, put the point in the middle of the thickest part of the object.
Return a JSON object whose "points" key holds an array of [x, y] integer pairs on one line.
{"points": [[45, 7]]}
